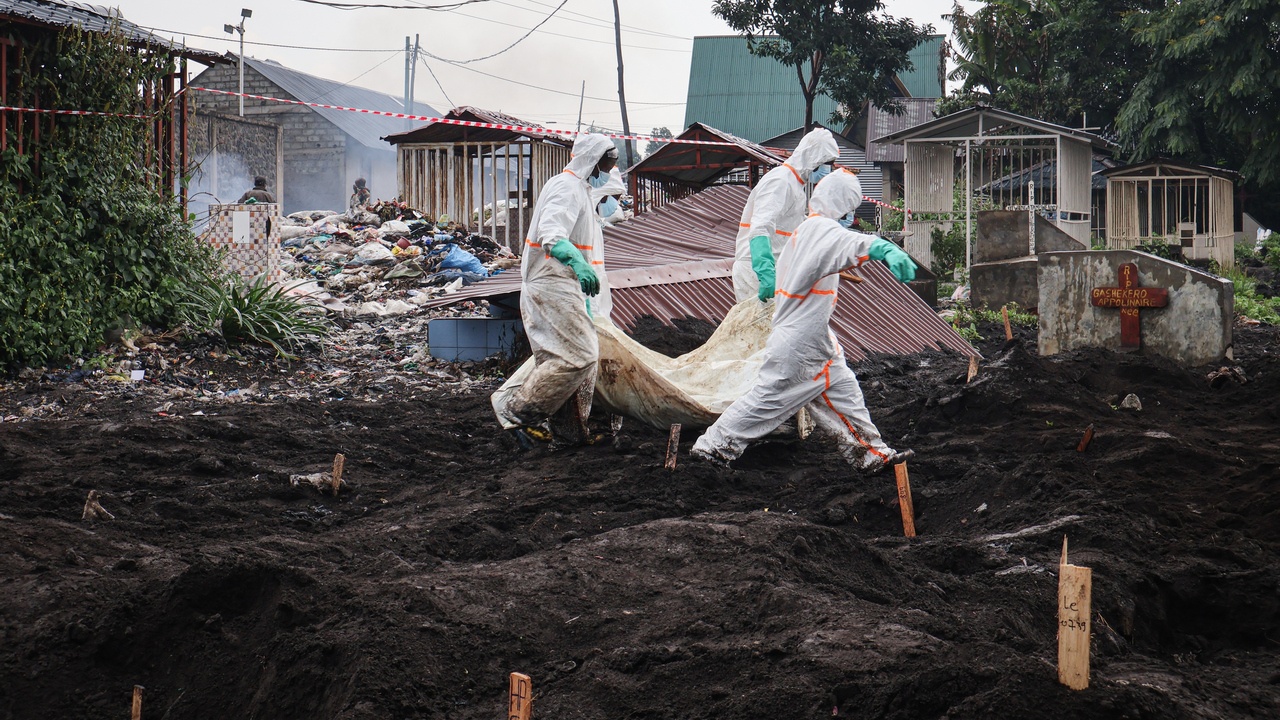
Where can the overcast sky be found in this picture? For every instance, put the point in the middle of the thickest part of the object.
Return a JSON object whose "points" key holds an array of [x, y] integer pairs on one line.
{"points": [[575, 45]]}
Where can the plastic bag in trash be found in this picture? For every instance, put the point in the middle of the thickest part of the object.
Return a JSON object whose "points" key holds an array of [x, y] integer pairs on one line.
{"points": [[447, 276], [458, 259]]}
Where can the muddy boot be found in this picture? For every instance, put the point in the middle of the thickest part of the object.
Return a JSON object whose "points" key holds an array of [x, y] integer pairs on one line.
{"points": [[569, 423]]}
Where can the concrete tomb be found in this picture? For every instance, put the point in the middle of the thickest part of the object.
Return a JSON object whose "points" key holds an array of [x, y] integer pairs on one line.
{"points": [[1127, 300]]}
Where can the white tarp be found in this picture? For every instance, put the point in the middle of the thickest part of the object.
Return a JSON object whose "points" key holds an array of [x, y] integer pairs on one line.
{"points": [[692, 389]]}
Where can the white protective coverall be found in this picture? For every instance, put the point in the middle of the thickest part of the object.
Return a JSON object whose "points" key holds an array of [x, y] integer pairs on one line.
{"points": [[804, 365], [776, 206], [552, 305], [601, 305]]}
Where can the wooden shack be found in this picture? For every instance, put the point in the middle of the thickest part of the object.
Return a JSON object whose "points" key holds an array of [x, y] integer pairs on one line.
{"points": [[1189, 207], [485, 178]]}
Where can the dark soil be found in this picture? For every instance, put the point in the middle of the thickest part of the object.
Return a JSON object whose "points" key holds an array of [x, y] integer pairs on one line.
{"points": [[782, 588]]}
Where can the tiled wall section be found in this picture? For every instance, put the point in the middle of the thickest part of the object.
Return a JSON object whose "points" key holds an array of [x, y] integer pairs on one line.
{"points": [[257, 256]]}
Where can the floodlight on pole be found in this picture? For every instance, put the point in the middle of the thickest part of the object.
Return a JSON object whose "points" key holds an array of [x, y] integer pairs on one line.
{"points": [[245, 13]]}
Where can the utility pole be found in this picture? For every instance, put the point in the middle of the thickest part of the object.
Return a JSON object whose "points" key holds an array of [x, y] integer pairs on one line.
{"points": [[413, 75], [245, 14], [408, 69], [581, 96], [622, 95]]}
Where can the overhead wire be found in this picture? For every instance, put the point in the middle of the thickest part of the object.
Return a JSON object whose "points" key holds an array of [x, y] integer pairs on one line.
{"points": [[415, 6], [366, 72], [276, 45], [492, 55], [551, 90], [573, 37], [438, 84], [599, 22]]}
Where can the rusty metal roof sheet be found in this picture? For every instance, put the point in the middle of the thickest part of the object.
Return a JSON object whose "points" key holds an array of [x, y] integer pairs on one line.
{"points": [[446, 133], [701, 165], [676, 263], [99, 19]]}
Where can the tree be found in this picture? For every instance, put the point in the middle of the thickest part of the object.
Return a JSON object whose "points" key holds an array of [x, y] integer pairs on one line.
{"points": [[1212, 92], [654, 146], [849, 48], [1065, 61]]}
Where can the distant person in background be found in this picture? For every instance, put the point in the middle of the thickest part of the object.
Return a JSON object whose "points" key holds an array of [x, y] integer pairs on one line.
{"points": [[359, 195], [258, 194]]}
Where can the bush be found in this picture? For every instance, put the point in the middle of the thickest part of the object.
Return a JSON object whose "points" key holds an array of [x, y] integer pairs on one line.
{"points": [[256, 312], [87, 242]]}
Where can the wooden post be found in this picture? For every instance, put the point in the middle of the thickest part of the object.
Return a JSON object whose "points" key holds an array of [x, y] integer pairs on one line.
{"points": [[673, 447], [1008, 331], [904, 500], [1075, 599], [973, 369], [520, 706], [339, 461], [137, 702], [1084, 441]]}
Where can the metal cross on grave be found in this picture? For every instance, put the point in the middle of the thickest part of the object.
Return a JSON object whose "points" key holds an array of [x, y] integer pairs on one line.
{"points": [[1129, 298]]}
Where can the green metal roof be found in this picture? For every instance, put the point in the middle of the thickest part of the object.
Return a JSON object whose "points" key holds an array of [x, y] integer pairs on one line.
{"points": [[758, 98]]}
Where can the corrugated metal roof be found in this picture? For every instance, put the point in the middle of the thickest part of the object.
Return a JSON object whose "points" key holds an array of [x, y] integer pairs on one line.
{"points": [[446, 133], [676, 263], [988, 120], [1165, 166], [851, 156], [928, 77], [880, 122], [701, 165], [758, 98], [95, 18], [367, 130]]}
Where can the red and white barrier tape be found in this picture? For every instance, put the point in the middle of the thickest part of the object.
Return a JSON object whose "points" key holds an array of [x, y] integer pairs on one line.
{"points": [[7, 108], [463, 123]]}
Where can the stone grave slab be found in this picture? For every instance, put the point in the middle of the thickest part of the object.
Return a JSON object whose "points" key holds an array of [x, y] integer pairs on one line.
{"points": [[1126, 300]]}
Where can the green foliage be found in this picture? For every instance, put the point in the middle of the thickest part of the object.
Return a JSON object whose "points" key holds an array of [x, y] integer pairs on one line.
{"points": [[1212, 90], [1249, 303], [849, 48], [653, 146], [1057, 60], [86, 240], [1157, 246], [256, 312], [948, 248]]}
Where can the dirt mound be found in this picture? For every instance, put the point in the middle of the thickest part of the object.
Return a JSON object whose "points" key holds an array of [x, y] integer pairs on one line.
{"points": [[779, 588]]}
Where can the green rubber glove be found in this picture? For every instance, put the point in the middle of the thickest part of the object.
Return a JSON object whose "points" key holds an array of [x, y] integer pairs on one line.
{"points": [[899, 262], [565, 252], [762, 263]]}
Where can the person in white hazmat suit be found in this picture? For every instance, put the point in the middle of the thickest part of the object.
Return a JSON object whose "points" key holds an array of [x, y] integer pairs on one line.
{"points": [[603, 190], [773, 211], [804, 365], [558, 287]]}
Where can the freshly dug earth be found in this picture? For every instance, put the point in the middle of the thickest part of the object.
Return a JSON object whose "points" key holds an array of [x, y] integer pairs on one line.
{"points": [[781, 588]]}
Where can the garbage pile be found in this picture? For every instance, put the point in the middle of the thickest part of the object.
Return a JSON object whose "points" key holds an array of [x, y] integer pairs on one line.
{"points": [[386, 259]]}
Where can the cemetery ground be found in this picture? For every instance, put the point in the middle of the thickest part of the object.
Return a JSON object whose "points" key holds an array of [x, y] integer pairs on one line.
{"points": [[781, 588]]}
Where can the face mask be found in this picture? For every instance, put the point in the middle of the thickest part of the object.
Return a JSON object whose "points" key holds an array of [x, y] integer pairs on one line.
{"points": [[821, 172], [846, 221], [597, 179], [608, 207]]}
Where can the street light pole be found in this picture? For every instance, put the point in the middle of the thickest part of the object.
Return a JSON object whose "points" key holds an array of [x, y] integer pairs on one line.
{"points": [[245, 14]]}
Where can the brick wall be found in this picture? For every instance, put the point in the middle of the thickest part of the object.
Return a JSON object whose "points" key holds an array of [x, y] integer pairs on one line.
{"points": [[314, 149]]}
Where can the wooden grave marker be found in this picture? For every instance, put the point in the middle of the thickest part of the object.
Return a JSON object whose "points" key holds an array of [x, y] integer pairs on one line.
{"points": [[904, 500], [1075, 600], [1129, 297], [520, 700]]}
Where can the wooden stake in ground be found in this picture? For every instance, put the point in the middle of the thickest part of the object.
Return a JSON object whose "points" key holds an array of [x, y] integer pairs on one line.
{"points": [[93, 509], [520, 705], [339, 461], [1008, 331], [1084, 441], [904, 500], [137, 702], [973, 369], [1075, 599], [673, 447]]}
